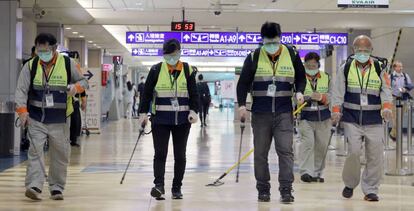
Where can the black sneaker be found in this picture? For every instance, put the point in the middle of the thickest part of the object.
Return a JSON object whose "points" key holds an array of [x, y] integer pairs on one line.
{"points": [[348, 192], [264, 196], [318, 179], [158, 192], [286, 196], [56, 195], [205, 125], [176, 193], [74, 144], [33, 193], [307, 178], [371, 197]]}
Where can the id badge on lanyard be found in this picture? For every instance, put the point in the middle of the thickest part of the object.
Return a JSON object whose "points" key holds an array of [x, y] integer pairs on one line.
{"points": [[271, 89], [364, 99], [175, 105], [49, 97]]}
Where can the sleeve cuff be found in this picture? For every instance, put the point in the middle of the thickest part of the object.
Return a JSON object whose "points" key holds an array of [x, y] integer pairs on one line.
{"points": [[324, 99], [387, 105], [21, 110], [79, 88], [336, 109]]}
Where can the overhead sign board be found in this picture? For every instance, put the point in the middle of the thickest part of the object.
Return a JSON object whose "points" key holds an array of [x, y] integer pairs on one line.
{"points": [[364, 3], [294, 38], [196, 52]]}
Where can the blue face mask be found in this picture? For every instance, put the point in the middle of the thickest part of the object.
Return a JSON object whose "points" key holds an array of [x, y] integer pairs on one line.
{"points": [[45, 56], [271, 48], [311, 72], [172, 60], [362, 57]]}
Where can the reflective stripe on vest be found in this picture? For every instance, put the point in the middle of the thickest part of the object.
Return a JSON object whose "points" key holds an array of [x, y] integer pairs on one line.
{"points": [[170, 108], [58, 82], [364, 108], [40, 104], [321, 107], [165, 91], [277, 94]]}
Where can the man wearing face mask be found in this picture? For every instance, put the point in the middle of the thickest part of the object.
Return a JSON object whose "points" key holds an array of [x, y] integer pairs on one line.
{"points": [[44, 103], [273, 71], [172, 90], [315, 124], [361, 97], [401, 86]]}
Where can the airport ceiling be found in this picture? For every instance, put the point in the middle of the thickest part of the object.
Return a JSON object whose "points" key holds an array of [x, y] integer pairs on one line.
{"points": [[104, 22]]}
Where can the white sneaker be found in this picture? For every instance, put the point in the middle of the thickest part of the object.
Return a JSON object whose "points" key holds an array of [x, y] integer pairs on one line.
{"points": [[33, 194]]}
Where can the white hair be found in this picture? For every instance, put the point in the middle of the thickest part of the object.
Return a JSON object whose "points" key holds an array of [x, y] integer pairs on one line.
{"points": [[361, 37]]}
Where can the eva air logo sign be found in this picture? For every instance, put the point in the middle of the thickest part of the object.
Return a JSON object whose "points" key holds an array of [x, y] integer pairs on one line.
{"points": [[363, 3]]}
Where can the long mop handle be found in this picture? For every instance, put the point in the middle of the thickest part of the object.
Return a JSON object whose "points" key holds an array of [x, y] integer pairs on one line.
{"points": [[242, 126], [132, 155]]}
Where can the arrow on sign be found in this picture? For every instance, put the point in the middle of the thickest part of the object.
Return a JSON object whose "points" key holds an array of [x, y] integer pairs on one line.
{"points": [[297, 38], [242, 38], [131, 37], [88, 75], [135, 51], [186, 37]]}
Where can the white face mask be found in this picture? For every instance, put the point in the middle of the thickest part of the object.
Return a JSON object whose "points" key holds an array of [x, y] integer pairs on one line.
{"points": [[362, 57], [312, 72], [271, 48], [45, 56]]}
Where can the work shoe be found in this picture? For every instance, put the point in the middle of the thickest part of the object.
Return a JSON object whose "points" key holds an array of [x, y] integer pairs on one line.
{"points": [[371, 197], [264, 196], [33, 193], [307, 178], [158, 192], [347, 192], [286, 196], [56, 195], [176, 193]]}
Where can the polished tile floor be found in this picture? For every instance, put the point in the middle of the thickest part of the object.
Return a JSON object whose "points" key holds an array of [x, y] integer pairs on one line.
{"points": [[96, 169]]}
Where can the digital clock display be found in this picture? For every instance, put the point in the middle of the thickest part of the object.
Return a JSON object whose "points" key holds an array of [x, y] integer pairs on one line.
{"points": [[182, 26]]}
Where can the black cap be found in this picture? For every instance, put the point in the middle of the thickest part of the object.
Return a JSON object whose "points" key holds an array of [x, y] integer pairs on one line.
{"points": [[270, 30], [170, 46]]}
